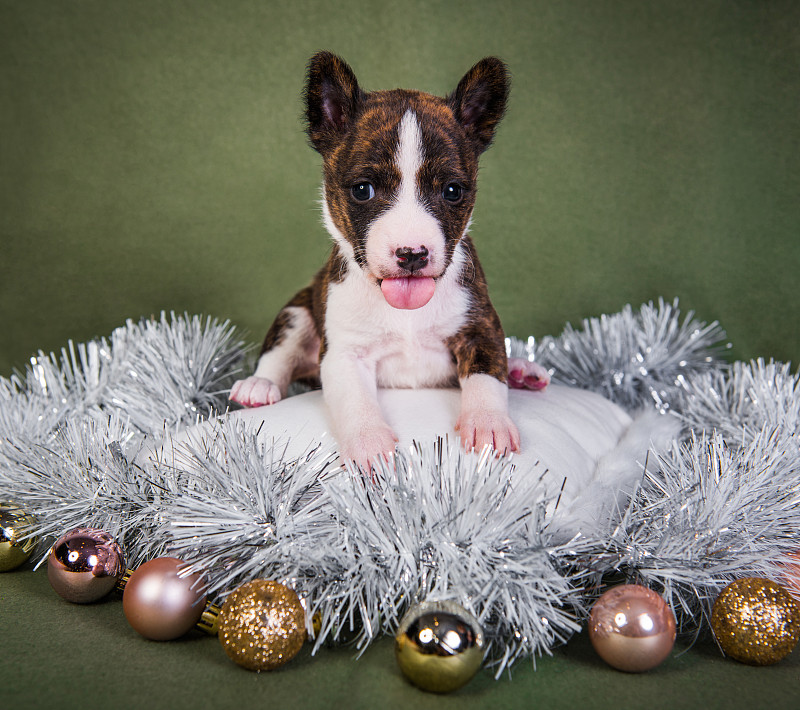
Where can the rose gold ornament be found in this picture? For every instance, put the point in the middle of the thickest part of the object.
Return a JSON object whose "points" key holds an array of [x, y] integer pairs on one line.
{"points": [[15, 524], [632, 628], [262, 625], [756, 621], [160, 603], [84, 565]]}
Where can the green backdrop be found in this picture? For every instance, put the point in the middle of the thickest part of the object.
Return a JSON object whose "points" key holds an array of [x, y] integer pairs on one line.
{"points": [[153, 158]]}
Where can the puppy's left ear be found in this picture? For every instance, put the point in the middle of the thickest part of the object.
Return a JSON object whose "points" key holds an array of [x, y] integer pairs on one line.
{"points": [[479, 101]]}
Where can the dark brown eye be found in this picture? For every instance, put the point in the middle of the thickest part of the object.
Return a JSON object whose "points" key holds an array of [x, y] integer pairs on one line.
{"points": [[453, 192], [362, 191]]}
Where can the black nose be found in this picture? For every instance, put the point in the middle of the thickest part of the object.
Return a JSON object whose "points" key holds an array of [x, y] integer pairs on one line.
{"points": [[411, 260]]}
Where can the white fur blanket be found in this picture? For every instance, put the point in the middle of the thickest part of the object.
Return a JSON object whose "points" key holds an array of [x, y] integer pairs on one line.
{"points": [[571, 439]]}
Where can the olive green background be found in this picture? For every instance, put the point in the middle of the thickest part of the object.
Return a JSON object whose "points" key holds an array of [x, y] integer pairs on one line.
{"points": [[152, 157]]}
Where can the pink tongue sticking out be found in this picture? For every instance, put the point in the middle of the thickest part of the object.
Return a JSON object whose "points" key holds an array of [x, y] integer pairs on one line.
{"points": [[408, 293]]}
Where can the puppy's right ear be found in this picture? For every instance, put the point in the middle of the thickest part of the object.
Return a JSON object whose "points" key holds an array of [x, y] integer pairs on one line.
{"points": [[333, 99]]}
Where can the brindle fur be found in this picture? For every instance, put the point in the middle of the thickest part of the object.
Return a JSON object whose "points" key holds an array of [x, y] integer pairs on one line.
{"points": [[463, 124]]}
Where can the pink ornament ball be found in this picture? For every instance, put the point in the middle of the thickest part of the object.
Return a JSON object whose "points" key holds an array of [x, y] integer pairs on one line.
{"points": [[84, 565], [632, 628], [160, 603]]}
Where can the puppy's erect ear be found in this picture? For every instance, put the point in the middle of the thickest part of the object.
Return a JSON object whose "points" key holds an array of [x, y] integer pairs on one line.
{"points": [[479, 101], [332, 97]]}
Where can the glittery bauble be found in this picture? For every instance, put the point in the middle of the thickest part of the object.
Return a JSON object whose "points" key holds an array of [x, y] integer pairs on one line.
{"points": [[439, 646], [159, 602], [262, 625], [756, 621], [632, 628], [84, 565], [15, 524]]}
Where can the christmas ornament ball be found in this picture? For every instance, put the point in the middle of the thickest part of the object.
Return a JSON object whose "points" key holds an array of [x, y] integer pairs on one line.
{"points": [[15, 524], [262, 625], [756, 621], [159, 602], [84, 565], [632, 628], [439, 646]]}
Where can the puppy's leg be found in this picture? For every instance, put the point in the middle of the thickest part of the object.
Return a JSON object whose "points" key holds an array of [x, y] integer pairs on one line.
{"points": [[290, 351], [526, 375], [479, 350], [484, 415], [350, 390]]}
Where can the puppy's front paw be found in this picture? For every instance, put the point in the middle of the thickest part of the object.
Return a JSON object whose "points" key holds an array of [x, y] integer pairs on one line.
{"points": [[526, 375], [255, 392], [367, 444], [479, 428]]}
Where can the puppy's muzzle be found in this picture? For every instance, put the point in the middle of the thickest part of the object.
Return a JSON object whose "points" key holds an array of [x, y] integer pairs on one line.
{"points": [[412, 260]]}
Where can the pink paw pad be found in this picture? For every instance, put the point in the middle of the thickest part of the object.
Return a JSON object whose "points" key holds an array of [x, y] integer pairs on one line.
{"points": [[255, 392], [526, 375]]}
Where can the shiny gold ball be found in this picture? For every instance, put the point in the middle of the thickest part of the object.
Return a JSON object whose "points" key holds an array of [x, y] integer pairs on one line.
{"points": [[15, 524], [262, 625], [439, 646], [756, 621]]}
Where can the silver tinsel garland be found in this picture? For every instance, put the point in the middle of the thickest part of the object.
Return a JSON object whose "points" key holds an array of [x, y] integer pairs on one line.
{"points": [[173, 371], [635, 359], [436, 524], [82, 477], [153, 373], [76, 432], [740, 403], [246, 510], [442, 524], [705, 514], [26, 414], [71, 425]]}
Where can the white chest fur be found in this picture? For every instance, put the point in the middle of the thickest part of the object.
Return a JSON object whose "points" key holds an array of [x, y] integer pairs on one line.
{"points": [[404, 348]]}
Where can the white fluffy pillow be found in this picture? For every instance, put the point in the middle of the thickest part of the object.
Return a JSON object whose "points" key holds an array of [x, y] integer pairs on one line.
{"points": [[570, 437]]}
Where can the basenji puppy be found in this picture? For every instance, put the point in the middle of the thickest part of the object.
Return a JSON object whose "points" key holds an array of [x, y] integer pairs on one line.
{"points": [[402, 300]]}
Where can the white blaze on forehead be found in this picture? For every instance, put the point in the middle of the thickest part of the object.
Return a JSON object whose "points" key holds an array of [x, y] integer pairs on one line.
{"points": [[407, 223], [409, 156]]}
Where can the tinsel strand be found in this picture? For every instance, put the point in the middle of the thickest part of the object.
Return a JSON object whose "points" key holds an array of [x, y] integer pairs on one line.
{"points": [[635, 359]]}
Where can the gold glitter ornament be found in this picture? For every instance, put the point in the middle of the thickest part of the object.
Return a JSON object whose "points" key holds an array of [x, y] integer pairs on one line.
{"points": [[756, 621], [15, 524], [262, 625], [439, 646]]}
